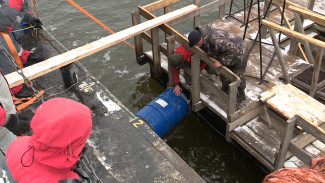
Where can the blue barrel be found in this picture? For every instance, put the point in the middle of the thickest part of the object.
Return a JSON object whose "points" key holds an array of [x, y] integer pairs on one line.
{"points": [[165, 111]]}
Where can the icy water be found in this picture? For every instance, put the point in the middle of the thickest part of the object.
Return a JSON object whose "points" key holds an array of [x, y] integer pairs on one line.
{"points": [[202, 148]]}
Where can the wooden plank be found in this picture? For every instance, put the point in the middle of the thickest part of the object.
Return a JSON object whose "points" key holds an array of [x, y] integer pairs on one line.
{"points": [[300, 153], [309, 14], [254, 143], [159, 4], [244, 144], [312, 129], [279, 55], [243, 111], [195, 76], [269, 135], [285, 142], [251, 114], [295, 34], [66, 58]]}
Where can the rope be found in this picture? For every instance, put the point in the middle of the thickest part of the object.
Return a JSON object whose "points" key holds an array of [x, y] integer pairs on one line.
{"points": [[95, 19]]}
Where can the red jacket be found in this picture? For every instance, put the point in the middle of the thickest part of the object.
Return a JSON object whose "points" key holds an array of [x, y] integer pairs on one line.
{"points": [[187, 54], [61, 127]]}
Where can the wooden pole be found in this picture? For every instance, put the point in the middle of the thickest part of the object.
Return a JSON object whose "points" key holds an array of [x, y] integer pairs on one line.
{"points": [[285, 142], [170, 49], [317, 66], [138, 38], [197, 17], [279, 55], [155, 53], [195, 72]]}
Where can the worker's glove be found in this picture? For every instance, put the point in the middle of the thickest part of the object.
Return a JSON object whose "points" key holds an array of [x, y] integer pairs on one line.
{"points": [[18, 125], [36, 23]]}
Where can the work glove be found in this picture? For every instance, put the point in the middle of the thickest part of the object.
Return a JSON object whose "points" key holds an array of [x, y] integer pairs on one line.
{"points": [[18, 125], [36, 23]]}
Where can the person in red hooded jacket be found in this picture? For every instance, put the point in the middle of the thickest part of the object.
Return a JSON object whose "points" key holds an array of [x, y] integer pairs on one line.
{"points": [[61, 127], [12, 13]]}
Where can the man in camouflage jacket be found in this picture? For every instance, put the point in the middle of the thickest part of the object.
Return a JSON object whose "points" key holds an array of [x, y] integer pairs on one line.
{"points": [[225, 47]]}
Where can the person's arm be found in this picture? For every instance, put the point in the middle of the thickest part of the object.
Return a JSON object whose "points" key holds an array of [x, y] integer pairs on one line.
{"points": [[177, 88]]}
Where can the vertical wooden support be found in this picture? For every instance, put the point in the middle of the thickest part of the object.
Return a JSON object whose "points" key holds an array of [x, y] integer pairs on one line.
{"points": [[170, 49], [32, 7], [300, 29], [197, 18], [138, 38], [156, 68], [266, 15], [167, 9], [279, 55], [311, 4], [317, 66], [195, 72], [285, 142], [222, 11], [232, 97]]}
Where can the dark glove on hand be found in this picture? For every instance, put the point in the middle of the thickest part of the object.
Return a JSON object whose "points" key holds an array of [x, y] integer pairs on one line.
{"points": [[17, 125], [37, 23]]}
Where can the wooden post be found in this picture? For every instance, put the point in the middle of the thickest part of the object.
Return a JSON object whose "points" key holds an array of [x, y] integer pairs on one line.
{"points": [[311, 4], [279, 55], [300, 29], [197, 18], [138, 38], [170, 49], [195, 73], [232, 98], [263, 28], [317, 66], [155, 53], [286, 138], [32, 7], [167, 9], [222, 11]]}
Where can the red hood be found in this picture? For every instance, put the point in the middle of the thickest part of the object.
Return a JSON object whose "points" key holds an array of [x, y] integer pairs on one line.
{"points": [[61, 128]]}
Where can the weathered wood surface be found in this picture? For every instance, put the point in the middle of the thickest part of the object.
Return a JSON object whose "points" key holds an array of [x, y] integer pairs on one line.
{"points": [[159, 4], [290, 101], [66, 58]]}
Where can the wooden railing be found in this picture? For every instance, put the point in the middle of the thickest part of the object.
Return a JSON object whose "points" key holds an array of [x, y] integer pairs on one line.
{"points": [[288, 145], [157, 49]]}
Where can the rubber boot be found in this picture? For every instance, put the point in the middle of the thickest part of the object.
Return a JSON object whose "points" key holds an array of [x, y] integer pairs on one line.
{"points": [[33, 59], [25, 92], [241, 95]]}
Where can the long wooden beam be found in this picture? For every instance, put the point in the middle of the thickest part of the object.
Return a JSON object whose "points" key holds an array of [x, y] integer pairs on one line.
{"points": [[308, 14], [159, 4], [295, 34], [66, 58]]}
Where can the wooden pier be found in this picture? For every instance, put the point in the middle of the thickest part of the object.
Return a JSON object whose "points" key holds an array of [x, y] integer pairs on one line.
{"points": [[275, 137]]}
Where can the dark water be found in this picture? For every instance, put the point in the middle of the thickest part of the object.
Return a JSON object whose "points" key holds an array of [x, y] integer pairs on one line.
{"points": [[200, 146]]}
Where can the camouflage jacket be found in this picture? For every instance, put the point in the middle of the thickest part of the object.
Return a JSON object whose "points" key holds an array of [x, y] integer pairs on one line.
{"points": [[226, 47]]}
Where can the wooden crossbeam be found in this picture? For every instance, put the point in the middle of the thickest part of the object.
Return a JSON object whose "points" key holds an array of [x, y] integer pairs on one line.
{"points": [[294, 34], [66, 58], [309, 14], [159, 4]]}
